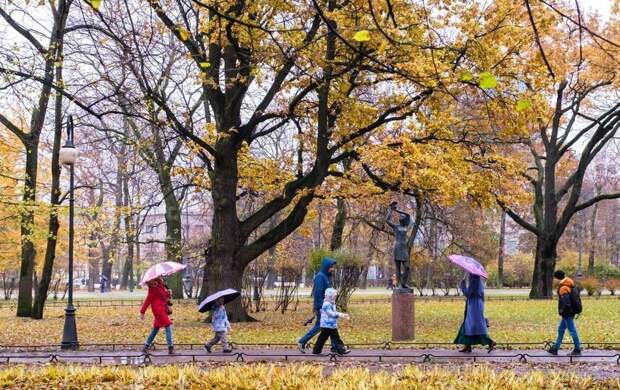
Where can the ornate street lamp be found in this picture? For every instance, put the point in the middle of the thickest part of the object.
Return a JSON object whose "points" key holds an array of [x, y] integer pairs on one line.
{"points": [[68, 156]]}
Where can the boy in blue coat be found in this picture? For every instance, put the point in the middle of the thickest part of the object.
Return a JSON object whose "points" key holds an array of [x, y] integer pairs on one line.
{"points": [[322, 281], [329, 325]]}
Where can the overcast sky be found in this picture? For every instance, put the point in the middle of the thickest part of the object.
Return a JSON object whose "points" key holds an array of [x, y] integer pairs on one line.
{"points": [[604, 6]]}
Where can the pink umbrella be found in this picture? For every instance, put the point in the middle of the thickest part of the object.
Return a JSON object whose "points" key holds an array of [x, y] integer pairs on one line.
{"points": [[161, 269], [470, 265]]}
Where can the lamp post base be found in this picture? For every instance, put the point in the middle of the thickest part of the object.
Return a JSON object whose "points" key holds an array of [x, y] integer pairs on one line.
{"points": [[69, 334]]}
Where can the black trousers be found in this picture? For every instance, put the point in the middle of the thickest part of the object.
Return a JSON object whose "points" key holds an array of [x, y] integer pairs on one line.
{"points": [[335, 337]]}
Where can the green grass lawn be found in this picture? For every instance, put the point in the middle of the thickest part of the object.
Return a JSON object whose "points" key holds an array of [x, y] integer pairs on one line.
{"points": [[435, 321]]}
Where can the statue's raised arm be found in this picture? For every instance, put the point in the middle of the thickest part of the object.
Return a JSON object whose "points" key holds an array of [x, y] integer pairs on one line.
{"points": [[388, 216]]}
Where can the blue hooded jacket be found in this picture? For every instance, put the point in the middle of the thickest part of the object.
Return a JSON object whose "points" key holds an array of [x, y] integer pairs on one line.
{"points": [[322, 282]]}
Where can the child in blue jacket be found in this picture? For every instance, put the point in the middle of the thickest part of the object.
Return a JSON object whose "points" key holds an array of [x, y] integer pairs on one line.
{"points": [[329, 325], [221, 327]]}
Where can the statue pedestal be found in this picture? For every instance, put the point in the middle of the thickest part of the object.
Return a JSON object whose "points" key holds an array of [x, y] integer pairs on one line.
{"points": [[402, 315]]}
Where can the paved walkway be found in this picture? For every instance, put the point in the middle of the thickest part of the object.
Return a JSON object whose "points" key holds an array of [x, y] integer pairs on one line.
{"points": [[160, 356]]}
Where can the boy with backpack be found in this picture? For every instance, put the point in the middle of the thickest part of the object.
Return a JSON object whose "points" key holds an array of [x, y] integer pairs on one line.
{"points": [[569, 305]]}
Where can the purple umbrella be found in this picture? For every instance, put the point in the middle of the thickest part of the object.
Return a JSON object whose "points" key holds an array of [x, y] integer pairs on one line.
{"points": [[470, 265]]}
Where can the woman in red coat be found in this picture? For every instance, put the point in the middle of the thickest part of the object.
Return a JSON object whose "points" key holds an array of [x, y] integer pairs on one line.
{"points": [[157, 298]]}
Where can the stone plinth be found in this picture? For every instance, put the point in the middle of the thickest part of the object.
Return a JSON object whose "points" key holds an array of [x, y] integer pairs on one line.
{"points": [[402, 315]]}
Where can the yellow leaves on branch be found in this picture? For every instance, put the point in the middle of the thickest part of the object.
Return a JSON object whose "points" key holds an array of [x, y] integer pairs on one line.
{"points": [[362, 36], [523, 104], [487, 80], [447, 173], [184, 34], [263, 174], [96, 4]]}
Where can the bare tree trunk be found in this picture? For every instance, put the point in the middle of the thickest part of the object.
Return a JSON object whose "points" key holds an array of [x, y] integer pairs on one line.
{"points": [[173, 235], [544, 266], [127, 277], [106, 264], [270, 282], [138, 253], [580, 239], [93, 265], [339, 223], [592, 239], [223, 268], [28, 252], [52, 236], [500, 258]]}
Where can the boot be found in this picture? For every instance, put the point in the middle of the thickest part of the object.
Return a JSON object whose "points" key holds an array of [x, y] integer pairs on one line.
{"points": [[575, 352], [491, 346], [553, 350], [466, 349], [171, 350]]}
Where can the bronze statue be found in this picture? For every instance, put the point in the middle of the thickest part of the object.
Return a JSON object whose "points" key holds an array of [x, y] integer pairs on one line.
{"points": [[402, 245]]}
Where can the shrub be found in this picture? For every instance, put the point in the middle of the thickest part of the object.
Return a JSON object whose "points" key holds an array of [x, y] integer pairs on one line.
{"points": [[349, 268], [612, 285], [317, 256], [518, 269], [606, 271], [591, 285], [294, 376]]}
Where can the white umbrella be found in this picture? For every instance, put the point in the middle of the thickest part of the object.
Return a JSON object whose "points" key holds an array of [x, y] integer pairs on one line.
{"points": [[161, 269], [229, 295]]}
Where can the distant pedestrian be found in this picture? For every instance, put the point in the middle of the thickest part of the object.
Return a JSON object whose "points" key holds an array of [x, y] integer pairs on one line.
{"points": [[569, 305], [392, 282], [474, 329], [322, 281], [157, 298], [102, 285], [221, 327], [329, 325]]}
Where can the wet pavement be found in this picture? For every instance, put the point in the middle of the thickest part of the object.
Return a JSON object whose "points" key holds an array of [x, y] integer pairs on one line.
{"points": [[361, 356]]}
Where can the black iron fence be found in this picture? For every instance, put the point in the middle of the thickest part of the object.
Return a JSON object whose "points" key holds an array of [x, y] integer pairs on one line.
{"points": [[270, 301]]}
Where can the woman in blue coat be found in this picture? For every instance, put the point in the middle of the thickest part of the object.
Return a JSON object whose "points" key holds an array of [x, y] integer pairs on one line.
{"points": [[474, 327]]}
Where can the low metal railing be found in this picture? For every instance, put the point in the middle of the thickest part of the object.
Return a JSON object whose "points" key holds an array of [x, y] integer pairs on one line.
{"points": [[271, 301], [141, 358]]}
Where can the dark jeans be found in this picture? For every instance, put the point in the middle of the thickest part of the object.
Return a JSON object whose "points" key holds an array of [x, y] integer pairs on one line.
{"points": [[333, 334], [316, 328]]}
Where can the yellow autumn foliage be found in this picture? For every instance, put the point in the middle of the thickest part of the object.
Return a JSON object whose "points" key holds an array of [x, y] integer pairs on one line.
{"points": [[293, 376]]}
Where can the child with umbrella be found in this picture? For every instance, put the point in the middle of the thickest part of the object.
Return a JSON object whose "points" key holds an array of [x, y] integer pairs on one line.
{"points": [[219, 318]]}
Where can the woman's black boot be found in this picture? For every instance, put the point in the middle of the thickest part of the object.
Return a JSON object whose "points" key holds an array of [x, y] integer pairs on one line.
{"points": [[466, 349]]}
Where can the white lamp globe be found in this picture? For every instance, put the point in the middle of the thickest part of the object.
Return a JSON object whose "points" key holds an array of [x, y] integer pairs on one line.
{"points": [[68, 155]]}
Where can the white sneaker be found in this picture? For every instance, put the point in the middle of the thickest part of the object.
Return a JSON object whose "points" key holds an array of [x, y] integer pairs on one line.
{"points": [[301, 347]]}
